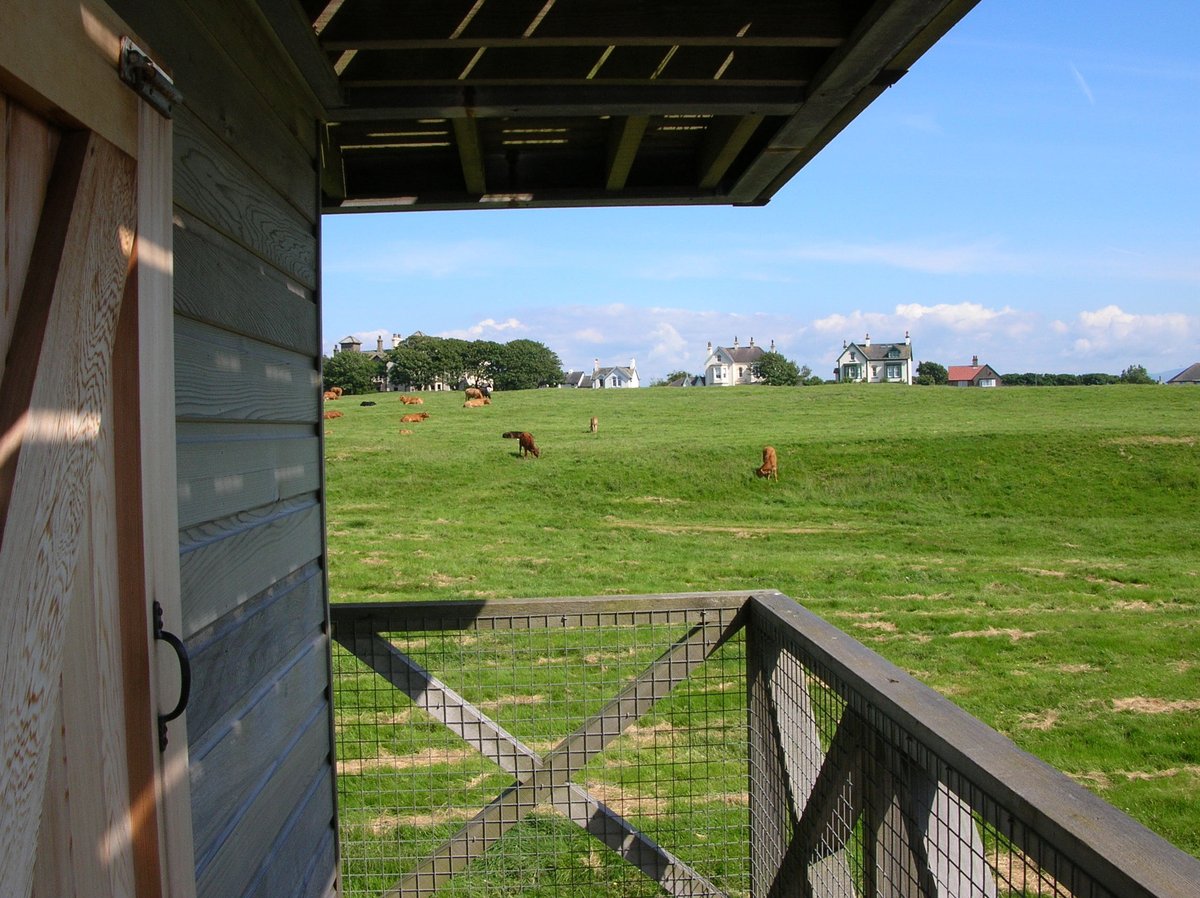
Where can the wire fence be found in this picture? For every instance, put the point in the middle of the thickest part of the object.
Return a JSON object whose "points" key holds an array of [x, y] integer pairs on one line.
{"points": [[714, 744]]}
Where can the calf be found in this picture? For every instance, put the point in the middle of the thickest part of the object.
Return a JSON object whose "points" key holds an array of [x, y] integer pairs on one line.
{"points": [[594, 425], [527, 445], [770, 465]]}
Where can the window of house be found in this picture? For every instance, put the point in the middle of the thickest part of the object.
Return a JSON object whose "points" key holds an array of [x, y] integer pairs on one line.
{"points": [[853, 372], [895, 372]]}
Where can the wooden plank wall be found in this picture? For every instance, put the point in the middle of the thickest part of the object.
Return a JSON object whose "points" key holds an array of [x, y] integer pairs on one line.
{"points": [[247, 347]]}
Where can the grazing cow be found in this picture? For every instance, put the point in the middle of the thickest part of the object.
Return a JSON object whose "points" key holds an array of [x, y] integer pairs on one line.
{"points": [[368, 403], [329, 415], [527, 445], [415, 418], [412, 400], [594, 425], [337, 390], [330, 395], [770, 465], [473, 393]]}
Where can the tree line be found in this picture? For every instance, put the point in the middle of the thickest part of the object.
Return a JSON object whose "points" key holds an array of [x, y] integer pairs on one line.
{"points": [[419, 362]]}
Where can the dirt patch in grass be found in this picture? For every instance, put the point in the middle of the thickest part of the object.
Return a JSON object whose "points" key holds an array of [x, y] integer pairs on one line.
{"points": [[748, 531], [389, 822], [385, 760], [1139, 704], [1042, 572], [506, 701], [1152, 440], [1011, 632], [1018, 874], [1078, 668], [1102, 780], [1137, 606], [654, 500], [625, 803], [1044, 721], [884, 625]]}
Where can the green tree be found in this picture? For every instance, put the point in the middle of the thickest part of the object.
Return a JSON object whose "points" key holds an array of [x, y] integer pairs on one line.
{"points": [[932, 373], [525, 365], [777, 371], [354, 372], [1136, 374]]}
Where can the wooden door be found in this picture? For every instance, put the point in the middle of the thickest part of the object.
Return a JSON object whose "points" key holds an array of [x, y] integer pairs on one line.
{"points": [[89, 805]]}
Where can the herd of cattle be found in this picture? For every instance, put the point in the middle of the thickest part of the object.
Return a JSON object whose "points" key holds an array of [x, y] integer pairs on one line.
{"points": [[477, 398]]}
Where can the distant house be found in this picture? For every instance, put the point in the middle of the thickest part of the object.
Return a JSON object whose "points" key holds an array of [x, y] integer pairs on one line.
{"points": [[972, 375], [1189, 375], [878, 363], [691, 380], [580, 380], [350, 344], [615, 378], [727, 366]]}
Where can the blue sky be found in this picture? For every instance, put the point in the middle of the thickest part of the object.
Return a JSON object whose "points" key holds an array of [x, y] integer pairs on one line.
{"points": [[1029, 193]]}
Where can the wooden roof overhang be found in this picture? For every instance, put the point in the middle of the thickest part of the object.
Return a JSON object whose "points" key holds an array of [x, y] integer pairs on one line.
{"points": [[467, 104]]}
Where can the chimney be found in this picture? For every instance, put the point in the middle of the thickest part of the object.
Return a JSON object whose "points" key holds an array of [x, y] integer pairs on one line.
{"points": [[974, 361], [710, 347], [772, 345], [751, 342], [735, 346], [633, 364], [379, 343], [907, 340], [868, 340], [595, 365], [396, 338]]}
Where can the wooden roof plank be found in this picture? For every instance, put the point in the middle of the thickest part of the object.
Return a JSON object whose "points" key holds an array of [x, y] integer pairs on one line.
{"points": [[727, 137], [470, 154], [627, 137]]}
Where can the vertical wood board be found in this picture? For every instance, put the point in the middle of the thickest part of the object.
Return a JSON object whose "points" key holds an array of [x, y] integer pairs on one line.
{"points": [[40, 546]]}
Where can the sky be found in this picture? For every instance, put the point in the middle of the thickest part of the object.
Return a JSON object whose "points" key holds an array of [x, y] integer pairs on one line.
{"points": [[1029, 193]]}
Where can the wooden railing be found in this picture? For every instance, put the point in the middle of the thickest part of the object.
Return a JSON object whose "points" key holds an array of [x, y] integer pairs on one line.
{"points": [[715, 744]]}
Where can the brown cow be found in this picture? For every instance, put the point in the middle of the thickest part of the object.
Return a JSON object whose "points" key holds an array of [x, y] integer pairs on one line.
{"points": [[412, 400], [329, 415], [414, 418], [594, 425], [473, 393], [527, 445], [330, 395], [477, 403], [337, 390], [770, 465]]}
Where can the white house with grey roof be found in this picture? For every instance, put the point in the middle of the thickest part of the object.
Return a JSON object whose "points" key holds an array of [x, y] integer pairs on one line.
{"points": [[727, 366], [615, 378], [875, 363]]}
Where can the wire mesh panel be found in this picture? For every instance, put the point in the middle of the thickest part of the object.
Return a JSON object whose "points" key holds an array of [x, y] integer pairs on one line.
{"points": [[525, 753], [866, 783]]}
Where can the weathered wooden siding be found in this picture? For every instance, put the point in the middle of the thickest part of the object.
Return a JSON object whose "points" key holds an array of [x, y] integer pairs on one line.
{"points": [[247, 353]]}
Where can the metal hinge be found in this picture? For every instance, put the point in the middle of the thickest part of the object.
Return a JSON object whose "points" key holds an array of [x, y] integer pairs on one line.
{"points": [[147, 77]]}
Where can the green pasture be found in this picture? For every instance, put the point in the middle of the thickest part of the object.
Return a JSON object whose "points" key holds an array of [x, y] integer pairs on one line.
{"points": [[1032, 553]]}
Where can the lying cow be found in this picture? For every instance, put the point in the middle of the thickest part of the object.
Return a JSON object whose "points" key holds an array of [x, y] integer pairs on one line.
{"points": [[527, 445], [477, 403], [414, 418], [412, 400], [330, 415], [770, 465]]}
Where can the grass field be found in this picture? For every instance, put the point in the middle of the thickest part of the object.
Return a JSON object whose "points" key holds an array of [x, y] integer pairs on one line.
{"points": [[1034, 554]]}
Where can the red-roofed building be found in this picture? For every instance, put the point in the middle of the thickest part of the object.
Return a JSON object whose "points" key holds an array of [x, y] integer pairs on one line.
{"points": [[972, 375]]}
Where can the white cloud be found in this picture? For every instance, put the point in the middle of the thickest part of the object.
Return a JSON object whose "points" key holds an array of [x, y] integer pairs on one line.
{"points": [[1083, 85], [489, 329]]}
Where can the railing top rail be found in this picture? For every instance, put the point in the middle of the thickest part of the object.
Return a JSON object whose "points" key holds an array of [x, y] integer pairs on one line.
{"points": [[572, 611], [1117, 850]]}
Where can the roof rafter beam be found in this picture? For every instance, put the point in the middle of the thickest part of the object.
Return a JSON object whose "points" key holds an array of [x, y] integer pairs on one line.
{"points": [[726, 138], [470, 154], [626, 138], [897, 32], [819, 42], [585, 99]]}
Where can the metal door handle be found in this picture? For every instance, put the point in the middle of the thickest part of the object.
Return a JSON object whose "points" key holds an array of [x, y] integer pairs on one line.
{"points": [[185, 675]]}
